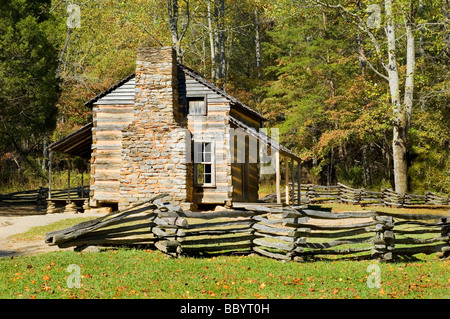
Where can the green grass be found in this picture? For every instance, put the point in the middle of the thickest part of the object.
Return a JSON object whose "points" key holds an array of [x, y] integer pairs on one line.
{"points": [[266, 189], [131, 273], [59, 181]]}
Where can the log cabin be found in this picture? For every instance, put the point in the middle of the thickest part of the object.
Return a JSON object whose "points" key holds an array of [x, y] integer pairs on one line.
{"points": [[167, 129]]}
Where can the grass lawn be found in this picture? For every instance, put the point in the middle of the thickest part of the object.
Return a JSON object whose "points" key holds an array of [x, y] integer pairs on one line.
{"points": [[130, 273]]}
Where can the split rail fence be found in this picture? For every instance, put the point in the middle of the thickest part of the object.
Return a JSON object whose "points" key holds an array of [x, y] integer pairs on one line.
{"points": [[341, 193], [39, 196], [295, 233]]}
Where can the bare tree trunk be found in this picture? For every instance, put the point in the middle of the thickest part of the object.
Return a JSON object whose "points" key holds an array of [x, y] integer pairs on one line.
{"points": [[410, 71], [362, 60], [212, 43], [257, 44], [221, 40], [172, 10], [173, 13], [400, 118]]}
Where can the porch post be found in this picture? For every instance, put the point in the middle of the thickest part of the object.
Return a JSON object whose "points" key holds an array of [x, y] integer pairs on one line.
{"points": [[69, 164], [286, 179], [299, 179], [82, 184], [277, 176], [50, 175]]}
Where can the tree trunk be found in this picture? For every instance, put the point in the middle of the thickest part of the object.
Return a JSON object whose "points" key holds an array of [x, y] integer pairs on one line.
{"points": [[172, 10], [410, 71], [212, 43], [400, 118], [257, 44], [221, 60]]}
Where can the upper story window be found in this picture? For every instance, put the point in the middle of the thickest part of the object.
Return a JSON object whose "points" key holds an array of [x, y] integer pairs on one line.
{"points": [[196, 105]]}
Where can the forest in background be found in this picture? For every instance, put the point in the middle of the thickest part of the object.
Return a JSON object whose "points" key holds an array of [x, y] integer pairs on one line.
{"points": [[360, 90]]}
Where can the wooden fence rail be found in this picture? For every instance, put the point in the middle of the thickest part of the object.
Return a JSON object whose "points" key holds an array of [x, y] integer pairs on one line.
{"points": [[39, 196], [294, 233], [341, 193]]}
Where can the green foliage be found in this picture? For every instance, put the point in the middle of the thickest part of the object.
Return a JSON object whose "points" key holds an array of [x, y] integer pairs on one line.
{"points": [[29, 88], [317, 95]]}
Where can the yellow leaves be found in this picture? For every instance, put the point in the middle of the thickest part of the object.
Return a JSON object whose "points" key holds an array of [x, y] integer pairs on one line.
{"points": [[49, 266], [47, 288], [209, 292], [262, 285], [17, 276], [257, 295]]}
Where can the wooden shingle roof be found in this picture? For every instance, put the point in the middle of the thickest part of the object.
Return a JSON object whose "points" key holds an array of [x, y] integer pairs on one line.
{"points": [[78, 143]]}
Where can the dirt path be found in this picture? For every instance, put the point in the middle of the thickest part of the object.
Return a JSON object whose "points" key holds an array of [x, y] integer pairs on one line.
{"points": [[15, 225]]}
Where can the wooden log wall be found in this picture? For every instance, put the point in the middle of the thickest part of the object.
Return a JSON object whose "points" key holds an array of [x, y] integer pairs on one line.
{"points": [[294, 233]]}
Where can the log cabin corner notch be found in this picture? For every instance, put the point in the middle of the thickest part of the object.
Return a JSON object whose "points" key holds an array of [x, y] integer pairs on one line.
{"points": [[166, 129]]}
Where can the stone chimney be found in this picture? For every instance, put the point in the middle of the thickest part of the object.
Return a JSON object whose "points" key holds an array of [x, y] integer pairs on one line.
{"points": [[155, 146]]}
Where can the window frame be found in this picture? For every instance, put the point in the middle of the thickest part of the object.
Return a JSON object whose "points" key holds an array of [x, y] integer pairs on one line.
{"points": [[196, 98], [202, 162]]}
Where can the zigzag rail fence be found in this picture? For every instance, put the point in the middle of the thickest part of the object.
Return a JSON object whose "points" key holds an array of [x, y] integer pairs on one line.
{"points": [[39, 196], [291, 233], [341, 193]]}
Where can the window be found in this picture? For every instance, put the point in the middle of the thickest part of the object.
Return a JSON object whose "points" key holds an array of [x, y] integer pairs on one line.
{"points": [[196, 105], [204, 172]]}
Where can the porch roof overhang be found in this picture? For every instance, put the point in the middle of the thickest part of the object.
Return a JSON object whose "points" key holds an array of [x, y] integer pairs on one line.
{"points": [[265, 139], [78, 143]]}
